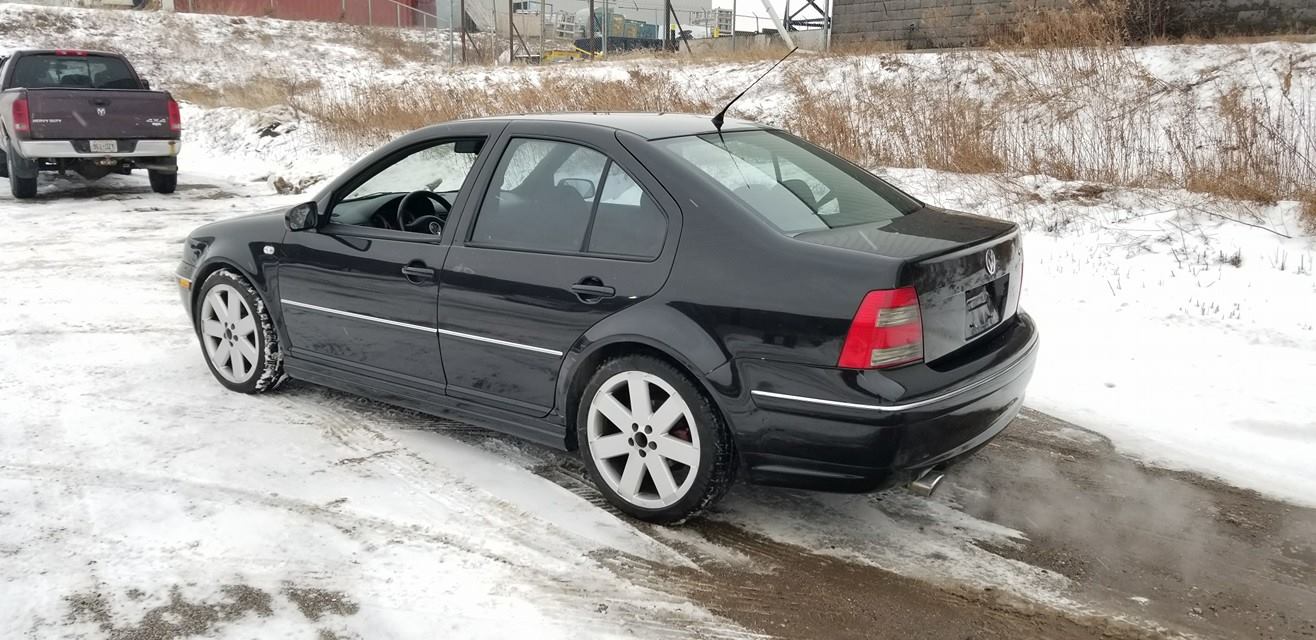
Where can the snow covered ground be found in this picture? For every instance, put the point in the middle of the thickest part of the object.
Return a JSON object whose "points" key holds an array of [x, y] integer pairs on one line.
{"points": [[133, 488], [139, 497]]}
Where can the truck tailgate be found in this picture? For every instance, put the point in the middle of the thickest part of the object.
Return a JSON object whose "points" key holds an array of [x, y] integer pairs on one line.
{"points": [[112, 114]]}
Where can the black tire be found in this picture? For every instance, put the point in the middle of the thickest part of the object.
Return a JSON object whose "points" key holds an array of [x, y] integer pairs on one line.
{"points": [[266, 374], [4, 164], [716, 470], [21, 188], [162, 182]]}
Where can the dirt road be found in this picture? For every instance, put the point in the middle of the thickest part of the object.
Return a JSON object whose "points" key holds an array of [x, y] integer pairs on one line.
{"points": [[1144, 553]]}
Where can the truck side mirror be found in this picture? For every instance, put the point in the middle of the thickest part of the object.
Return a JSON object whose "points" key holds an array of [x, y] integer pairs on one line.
{"points": [[302, 217], [146, 84]]}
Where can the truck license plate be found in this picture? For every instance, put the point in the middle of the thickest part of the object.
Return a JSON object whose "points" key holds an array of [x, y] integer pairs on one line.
{"points": [[104, 146]]}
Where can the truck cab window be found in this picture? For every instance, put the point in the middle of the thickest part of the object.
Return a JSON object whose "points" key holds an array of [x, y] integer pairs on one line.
{"points": [[78, 72]]}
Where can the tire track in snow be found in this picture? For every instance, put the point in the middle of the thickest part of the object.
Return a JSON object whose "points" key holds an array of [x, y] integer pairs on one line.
{"points": [[435, 486]]}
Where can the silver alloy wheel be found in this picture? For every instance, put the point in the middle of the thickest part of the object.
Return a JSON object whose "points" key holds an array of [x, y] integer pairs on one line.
{"points": [[228, 330], [648, 454]]}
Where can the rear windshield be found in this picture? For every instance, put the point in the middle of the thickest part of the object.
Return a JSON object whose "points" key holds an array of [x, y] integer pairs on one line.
{"points": [[789, 182], [75, 72]]}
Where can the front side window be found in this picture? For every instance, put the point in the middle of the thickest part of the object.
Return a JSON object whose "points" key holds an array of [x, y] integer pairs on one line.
{"points": [[73, 71], [441, 168], [412, 193], [565, 198], [791, 185]]}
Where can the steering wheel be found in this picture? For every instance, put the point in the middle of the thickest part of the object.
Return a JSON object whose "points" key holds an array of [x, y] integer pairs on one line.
{"points": [[432, 223]]}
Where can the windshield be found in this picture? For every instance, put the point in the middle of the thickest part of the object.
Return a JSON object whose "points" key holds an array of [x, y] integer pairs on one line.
{"points": [[75, 72], [789, 182]]}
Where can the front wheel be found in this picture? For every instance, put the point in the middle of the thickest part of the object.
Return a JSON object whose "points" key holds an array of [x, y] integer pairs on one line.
{"points": [[654, 443], [237, 335], [162, 182]]}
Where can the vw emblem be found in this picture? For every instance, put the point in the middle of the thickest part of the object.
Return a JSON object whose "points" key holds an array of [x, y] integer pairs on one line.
{"points": [[100, 111], [990, 259]]}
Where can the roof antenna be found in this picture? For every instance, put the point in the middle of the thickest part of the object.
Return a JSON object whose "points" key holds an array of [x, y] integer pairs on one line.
{"points": [[721, 115]]}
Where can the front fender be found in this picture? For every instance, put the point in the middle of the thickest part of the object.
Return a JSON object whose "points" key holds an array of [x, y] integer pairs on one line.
{"points": [[247, 244]]}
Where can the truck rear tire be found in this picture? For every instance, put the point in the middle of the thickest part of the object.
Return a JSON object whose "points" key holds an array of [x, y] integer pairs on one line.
{"points": [[17, 167], [162, 182], [22, 188], [4, 164]]}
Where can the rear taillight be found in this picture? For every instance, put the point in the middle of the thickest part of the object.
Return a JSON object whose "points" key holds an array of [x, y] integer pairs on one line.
{"points": [[887, 331], [22, 117], [175, 118]]}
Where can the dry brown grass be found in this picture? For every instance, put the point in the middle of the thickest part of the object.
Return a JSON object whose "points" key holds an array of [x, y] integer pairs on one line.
{"points": [[258, 92], [368, 118], [1085, 23], [898, 123], [393, 46], [1307, 199]]}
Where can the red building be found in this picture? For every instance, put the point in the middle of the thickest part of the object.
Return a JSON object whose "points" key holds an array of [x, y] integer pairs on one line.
{"points": [[390, 13]]}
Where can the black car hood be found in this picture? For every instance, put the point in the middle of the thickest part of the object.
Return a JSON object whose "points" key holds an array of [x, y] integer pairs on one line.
{"points": [[257, 220], [923, 233]]}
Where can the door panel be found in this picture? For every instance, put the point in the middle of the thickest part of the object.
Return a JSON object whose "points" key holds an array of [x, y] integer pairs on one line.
{"points": [[525, 299], [346, 301], [508, 313]]}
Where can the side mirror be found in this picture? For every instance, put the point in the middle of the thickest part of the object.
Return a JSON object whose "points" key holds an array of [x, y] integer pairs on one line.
{"points": [[302, 217], [146, 84], [582, 186]]}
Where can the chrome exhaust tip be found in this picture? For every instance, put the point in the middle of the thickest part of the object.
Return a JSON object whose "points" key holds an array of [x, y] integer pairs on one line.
{"points": [[927, 483]]}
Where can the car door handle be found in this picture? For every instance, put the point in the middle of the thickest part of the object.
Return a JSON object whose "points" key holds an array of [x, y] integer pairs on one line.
{"points": [[418, 275], [591, 293]]}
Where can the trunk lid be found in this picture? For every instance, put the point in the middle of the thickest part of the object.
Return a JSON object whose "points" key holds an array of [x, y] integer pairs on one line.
{"points": [[966, 269], [100, 114]]}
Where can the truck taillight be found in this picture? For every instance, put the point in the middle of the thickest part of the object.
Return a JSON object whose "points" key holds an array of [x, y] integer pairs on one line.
{"points": [[887, 331], [175, 118], [22, 117]]}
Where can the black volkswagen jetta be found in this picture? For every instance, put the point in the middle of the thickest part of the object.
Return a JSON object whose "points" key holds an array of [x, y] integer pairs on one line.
{"points": [[680, 304]]}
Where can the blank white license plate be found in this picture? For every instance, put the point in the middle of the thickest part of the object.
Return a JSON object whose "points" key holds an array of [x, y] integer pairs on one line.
{"points": [[104, 146]]}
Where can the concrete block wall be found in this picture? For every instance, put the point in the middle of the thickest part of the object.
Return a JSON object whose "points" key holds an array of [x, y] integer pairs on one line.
{"points": [[918, 24]]}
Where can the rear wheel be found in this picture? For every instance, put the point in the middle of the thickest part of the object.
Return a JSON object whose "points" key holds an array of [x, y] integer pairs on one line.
{"points": [[15, 168], [237, 335], [653, 442], [162, 182]]}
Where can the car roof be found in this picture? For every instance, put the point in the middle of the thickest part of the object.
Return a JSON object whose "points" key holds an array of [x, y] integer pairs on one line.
{"points": [[651, 126]]}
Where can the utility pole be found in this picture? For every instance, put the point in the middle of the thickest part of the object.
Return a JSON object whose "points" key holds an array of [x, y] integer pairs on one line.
{"points": [[591, 29], [607, 26], [781, 29], [511, 32], [462, 17], [667, 24]]}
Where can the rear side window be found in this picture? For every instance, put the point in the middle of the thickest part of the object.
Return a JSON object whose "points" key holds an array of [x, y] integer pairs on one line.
{"points": [[564, 198], [75, 72], [789, 183]]}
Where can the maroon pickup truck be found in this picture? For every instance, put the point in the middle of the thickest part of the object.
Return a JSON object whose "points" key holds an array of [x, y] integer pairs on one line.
{"points": [[87, 112]]}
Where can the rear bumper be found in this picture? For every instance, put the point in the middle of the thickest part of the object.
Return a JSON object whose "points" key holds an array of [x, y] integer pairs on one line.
{"points": [[839, 430], [66, 149]]}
